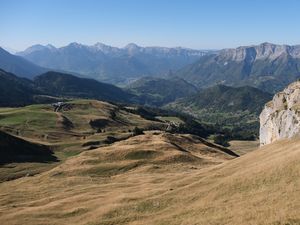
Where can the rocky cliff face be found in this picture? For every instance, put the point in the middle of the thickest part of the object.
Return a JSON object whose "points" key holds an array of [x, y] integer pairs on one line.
{"points": [[263, 51], [280, 117]]}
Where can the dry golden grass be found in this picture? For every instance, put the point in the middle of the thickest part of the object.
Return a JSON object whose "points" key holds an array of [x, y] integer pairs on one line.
{"points": [[243, 147], [262, 187]]}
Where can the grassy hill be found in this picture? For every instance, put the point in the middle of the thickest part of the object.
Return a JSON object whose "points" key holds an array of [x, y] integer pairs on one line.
{"points": [[77, 120], [82, 125], [161, 179], [79, 126]]}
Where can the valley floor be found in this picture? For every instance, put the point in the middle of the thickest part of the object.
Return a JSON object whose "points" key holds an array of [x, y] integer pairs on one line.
{"points": [[262, 187]]}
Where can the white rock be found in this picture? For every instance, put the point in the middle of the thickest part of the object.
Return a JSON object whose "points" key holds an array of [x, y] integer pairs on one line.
{"points": [[280, 117]]}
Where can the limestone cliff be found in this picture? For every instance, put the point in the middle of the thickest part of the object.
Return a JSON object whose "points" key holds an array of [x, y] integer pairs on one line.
{"points": [[280, 117]]}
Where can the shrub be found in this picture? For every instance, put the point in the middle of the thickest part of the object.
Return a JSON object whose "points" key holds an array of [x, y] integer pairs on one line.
{"points": [[137, 131]]}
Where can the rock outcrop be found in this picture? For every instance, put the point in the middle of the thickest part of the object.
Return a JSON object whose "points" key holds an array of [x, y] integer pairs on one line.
{"points": [[280, 117]]}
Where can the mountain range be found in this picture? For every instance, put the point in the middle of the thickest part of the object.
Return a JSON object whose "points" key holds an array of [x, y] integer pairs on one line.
{"points": [[112, 64], [266, 66]]}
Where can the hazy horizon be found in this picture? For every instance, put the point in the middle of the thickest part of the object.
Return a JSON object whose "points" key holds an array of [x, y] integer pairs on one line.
{"points": [[192, 24], [13, 50]]}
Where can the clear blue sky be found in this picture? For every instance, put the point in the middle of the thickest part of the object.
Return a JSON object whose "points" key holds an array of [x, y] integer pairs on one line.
{"points": [[201, 24]]}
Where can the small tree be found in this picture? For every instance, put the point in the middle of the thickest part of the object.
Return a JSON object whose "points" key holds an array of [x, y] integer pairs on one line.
{"points": [[137, 131], [221, 140]]}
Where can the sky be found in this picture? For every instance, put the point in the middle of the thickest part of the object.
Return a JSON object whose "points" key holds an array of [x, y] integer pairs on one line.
{"points": [[199, 24]]}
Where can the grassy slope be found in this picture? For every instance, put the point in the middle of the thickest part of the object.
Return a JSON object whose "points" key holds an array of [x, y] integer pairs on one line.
{"points": [[42, 123], [262, 187], [243, 147]]}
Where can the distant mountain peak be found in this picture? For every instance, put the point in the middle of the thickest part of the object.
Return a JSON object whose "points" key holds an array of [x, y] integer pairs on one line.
{"points": [[37, 47], [132, 46], [100, 45], [50, 46], [75, 45], [34, 48]]}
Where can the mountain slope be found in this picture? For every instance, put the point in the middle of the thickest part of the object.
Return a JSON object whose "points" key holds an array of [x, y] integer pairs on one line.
{"points": [[236, 109], [227, 99], [158, 91], [111, 64], [60, 84], [267, 66], [18, 65], [15, 91]]}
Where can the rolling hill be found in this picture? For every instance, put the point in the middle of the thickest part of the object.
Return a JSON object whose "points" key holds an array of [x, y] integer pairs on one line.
{"points": [[159, 183], [266, 66], [83, 125]]}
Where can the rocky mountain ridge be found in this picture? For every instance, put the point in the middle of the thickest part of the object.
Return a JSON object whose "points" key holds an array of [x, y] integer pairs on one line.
{"points": [[268, 67], [262, 51]]}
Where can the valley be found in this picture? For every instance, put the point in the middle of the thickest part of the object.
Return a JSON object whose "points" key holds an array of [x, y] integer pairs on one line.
{"points": [[207, 143], [149, 112]]}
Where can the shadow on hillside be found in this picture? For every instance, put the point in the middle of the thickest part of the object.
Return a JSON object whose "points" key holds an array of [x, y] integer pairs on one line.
{"points": [[14, 149]]}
